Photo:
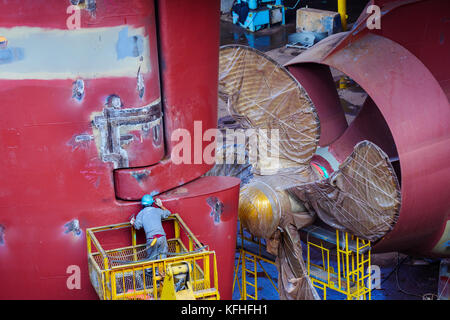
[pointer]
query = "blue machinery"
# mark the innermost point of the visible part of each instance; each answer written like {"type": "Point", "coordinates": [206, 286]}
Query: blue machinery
{"type": "Point", "coordinates": [258, 14]}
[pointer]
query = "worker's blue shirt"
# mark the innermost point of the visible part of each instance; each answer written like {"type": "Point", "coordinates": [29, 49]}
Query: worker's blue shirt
{"type": "Point", "coordinates": [150, 219]}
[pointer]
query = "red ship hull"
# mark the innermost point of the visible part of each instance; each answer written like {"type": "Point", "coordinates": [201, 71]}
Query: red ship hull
{"type": "Point", "coordinates": [72, 154]}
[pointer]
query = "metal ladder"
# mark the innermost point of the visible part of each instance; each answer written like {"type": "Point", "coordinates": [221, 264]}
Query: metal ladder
{"type": "Point", "coordinates": [248, 258]}
{"type": "Point", "coordinates": [352, 262]}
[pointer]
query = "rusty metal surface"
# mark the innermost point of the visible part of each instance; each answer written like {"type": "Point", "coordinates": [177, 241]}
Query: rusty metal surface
{"type": "Point", "coordinates": [408, 88]}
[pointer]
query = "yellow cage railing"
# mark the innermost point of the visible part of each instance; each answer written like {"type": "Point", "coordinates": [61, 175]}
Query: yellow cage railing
{"type": "Point", "coordinates": [350, 256]}
{"type": "Point", "coordinates": [126, 273]}
{"type": "Point", "coordinates": [250, 257]}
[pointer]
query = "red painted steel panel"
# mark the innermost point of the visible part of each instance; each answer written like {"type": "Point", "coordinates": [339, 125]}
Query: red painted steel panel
{"type": "Point", "coordinates": [132, 184]}
{"type": "Point", "coordinates": [53, 13]}
{"type": "Point", "coordinates": [52, 172]}
{"type": "Point", "coordinates": [189, 44]}
{"type": "Point", "coordinates": [426, 34]}
{"type": "Point", "coordinates": [52, 169]}
{"type": "Point", "coordinates": [368, 125]}
{"type": "Point", "coordinates": [318, 82]}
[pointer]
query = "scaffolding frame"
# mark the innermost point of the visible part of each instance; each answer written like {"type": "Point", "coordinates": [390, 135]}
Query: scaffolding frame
{"type": "Point", "coordinates": [353, 260]}
{"type": "Point", "coordinates": [253, 258]}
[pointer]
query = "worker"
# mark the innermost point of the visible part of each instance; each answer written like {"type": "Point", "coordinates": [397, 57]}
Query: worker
{"type": "Point", "coordinates": [3, 42]}
{"type": "Point", "coordinates": [150, 218]}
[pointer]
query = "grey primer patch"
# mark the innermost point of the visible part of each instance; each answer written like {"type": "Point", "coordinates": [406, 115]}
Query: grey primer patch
{"type": "Point", "coordinates": [10, 55]}
{"type": "Point", "coordinates": [110, 123]}
{"type": "Point", "coordinates": [94, 278]}
{"type": "Point", "coordinates": [80, 141]}
{"type": "Point", "coordinates": [73, 226]}
{"type": "Point", "coordinates": [217, 208]}
{"type": "Point", "coordinates": [2, 234]}
{"type": "Point", "coordinates": [85, 53]}
{"type": "Point", "coordinates": [78, 89]}
{"type": "Point", "coordinates": [91, 5]}
{"type": "Point", "coordinates": [140, 176]}
{"type": "Point", "coordinates": [140, 83]}
{"type": "Point", "coordinates": [129, 46]}
{"type": "Point", "coordinates": [156, 136]}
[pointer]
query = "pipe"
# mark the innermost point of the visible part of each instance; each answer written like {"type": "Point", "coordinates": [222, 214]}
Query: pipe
{"type": "Point", "coordinates": [342, 9]}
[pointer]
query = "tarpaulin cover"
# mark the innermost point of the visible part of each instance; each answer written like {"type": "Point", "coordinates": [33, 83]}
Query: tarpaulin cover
{"type": "Point", "coordinates": [276, 216]}
{"type": "Point", "coordinates": [363, 197]}
{"type": "Point", "coordinates": [293, 280]}
{"type": "Point", "coordinates": [261, 94]}
{"type": "Point", "coordinates": [232, 160]}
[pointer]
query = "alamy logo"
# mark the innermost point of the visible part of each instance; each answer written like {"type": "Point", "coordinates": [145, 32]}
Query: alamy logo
{"type": "Point", "coordinates": [74, 279]}
{"type": "Point", "coordinates": [375, 277]}
{"type": "Point", "coordinates": [261, 143]}
{"type": "Point", "coordinates": [73, 22]}
{"type": "Point", "coordinates": [374, 20]}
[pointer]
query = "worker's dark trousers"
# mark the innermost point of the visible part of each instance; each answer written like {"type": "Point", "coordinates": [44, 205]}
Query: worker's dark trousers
{"type": "Point", "coordinates": [159, 248]}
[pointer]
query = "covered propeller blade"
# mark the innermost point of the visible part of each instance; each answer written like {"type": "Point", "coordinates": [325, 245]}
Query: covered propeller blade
{"type": "Point", "coordinates": [362, 197]}
{"type": "Point", "coordinates": [261, 94]}
{"type": "Point", "coordinates": [360, 194]}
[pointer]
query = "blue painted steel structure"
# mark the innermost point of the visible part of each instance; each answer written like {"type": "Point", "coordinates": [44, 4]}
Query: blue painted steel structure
{"type": "Point", "coordinates": [255, 15]}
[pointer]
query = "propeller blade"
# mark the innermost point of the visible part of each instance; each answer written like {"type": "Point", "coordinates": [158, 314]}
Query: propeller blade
{"type": "Point", "coordinates": [262, 94]}
{"type": "Point", "coordinates": [362, 197]}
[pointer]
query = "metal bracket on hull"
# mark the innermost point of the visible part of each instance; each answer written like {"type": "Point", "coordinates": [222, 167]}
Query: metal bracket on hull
{"type": "Point", "coordinates": [114, 135]}
{"type": "Point", "coordinates": [78, 89]}
{"type": "Point", "coordinates": [73, 226]}
{"type": "Point", "coordinates": [2, 234]}
{"type": "Point", "coordinates": [217, 208]}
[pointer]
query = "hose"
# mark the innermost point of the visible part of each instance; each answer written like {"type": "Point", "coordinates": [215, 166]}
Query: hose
{"type": "Point", "coordinates": [291, 8]}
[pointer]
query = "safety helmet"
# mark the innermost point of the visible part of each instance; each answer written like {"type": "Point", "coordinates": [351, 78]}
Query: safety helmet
{"type": "Point", "coordinates": [3, 42]}
{"type": "Point", "coordinates": [147, 200]}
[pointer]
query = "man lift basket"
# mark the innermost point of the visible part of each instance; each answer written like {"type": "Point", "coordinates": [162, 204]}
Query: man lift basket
{"type": "Point", "coordinates": [189, 272]}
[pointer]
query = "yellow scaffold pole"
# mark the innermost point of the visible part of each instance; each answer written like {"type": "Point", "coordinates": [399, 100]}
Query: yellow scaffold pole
{"type": "Point", "coordinates": [342, 9]}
